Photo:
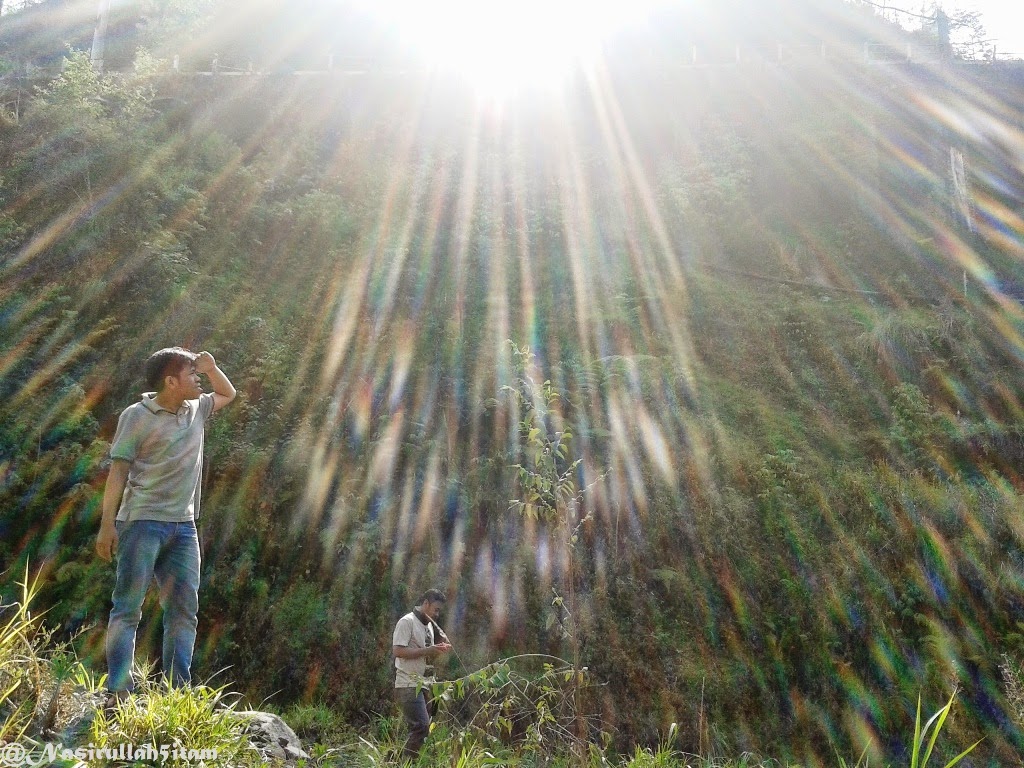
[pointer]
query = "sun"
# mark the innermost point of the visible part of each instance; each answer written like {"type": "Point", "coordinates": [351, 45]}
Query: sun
{"type": "Point", "coordinates": [506, 46]}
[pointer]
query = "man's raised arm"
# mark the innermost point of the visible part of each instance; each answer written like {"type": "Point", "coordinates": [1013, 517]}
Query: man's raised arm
{"type": "Point", "coordinates": [223, 390]}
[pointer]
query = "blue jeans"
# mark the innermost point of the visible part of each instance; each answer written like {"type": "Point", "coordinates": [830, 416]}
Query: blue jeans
{"type": "Point", "coordinates": [170, 552]}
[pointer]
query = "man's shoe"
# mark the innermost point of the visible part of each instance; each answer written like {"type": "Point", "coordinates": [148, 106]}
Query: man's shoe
{"type": "Point", "coordinates": [114, 698]}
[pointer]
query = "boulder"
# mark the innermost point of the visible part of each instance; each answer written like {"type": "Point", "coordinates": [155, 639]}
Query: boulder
{"type": "Point", "coordinates": [272, 736]}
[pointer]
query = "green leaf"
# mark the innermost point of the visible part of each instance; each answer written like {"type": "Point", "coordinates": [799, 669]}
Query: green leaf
{"type": "Point", "coordinates": [963, 754]}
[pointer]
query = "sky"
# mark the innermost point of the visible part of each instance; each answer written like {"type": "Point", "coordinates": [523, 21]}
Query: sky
{"type": "Point", "coordinates": [1003, 20]}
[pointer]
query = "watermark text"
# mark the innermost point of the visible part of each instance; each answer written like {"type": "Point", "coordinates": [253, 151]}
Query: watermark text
{"type": "Point", "coordinates": [44, 754]}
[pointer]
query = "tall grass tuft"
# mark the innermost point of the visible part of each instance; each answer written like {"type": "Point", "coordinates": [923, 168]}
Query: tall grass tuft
{"type": "Point", "coordinates": [919, 759]}
{"type": "Point", "coordinates": [23, 672]}
{"type": "Point", "coordinates": [862, 761]}
{"type": "Point", "coordinates": [317, 723]}
{"type": "Point", "coordinates": [1013, 684]}
{"type": "Point", "coordinates": [195, 718]}
{"type": "Point", "coordinates": [924, 740]}
{"type": "Point", "coordinates": [37, 675]}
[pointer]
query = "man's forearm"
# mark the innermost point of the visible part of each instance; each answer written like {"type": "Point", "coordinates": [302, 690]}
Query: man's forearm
{"type": "Point", "coordinates": [223, 389]}
{"type": "Point", "coordinates": [220, 383]}
{"type": "Point", "coordinates": [404, 652]}
{"type": "Point", "coordinates": [106, 539]}
{"type": "Point", "coordinates": [114, 490]}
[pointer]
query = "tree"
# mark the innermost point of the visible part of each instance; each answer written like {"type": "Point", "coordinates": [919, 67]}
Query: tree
{"type": "Point", "coordinates": [546, 478]}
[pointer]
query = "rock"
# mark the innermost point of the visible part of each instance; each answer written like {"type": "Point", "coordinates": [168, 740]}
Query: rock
{"type": "Point", "coordinates": [272, 736]}
{"type": "Point", "coordinates": [77, 711]}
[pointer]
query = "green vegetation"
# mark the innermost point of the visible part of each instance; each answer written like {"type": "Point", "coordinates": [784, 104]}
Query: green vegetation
{"type": "Point", "coordinates": [921, 753]}
{"type": "Point", "coordinates": [191, 720]}
{"type": "Point", "coordinates": [760, 473]}
{"type": "Point", "coordinates": [495, 716]}
{"type": "Point", "coordinates": [20, 667]}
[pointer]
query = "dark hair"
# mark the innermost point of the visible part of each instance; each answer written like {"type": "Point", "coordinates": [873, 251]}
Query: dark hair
{"type": "Point", "coordinates": [166, 362]}
{"type": "Point", "coordinates": [433, 596]}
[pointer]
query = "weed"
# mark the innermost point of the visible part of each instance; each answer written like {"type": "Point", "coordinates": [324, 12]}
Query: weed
{"type": "Point", "coordinates": [922, 752]}
{"type": "Point", "coordinates": [22, 669]}
{"type": "Point", "coordinates": [1013, 682]}
{"type": "Point", "coordinates": [187, 718]}
{"type": "Point", "coordinates": [316, 723]}
{"type": "Point", "coordinates": [935, 723]}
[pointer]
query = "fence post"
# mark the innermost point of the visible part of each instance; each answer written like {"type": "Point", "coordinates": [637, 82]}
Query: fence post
{"type": "Point", "coordinates": [99, 35]}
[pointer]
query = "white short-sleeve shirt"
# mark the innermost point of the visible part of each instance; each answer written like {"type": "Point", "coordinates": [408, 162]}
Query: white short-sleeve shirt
{"type": "Point", "coordinates": [410, 632]}
{"type": "Point", "coordinates": [165, 455]}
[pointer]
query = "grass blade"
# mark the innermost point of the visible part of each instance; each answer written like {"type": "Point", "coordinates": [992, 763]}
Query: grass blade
{"type": "Point", "coordinates": [941, 715]}
{"type": "Point", "coordinates": [963, 754]}
{"type": "Point", "coordinates": [915, 754]}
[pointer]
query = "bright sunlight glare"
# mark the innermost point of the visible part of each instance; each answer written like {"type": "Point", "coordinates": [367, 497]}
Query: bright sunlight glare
{"type": "Point", "coordinates": [502, 46]}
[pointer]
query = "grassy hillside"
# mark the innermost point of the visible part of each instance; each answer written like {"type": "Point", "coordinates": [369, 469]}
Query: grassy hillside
{"type": "Point", "coordinates": [789, 372]}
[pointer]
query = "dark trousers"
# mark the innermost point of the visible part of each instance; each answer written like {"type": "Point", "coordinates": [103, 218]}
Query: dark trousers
{"type": "Point", "coordinates": [414, 708]}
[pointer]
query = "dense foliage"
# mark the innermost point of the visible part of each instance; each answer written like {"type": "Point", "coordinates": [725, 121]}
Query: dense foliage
{"type": "Point", "coordinates": [789, 372]}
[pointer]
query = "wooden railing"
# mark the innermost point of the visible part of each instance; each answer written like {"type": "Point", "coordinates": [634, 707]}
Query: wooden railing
{"type": "Point", "coordinates": [784, 55]}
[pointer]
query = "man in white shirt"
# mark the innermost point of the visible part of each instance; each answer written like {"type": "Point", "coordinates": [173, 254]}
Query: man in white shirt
{"type": "Point", "coordinates": [416, 639]}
